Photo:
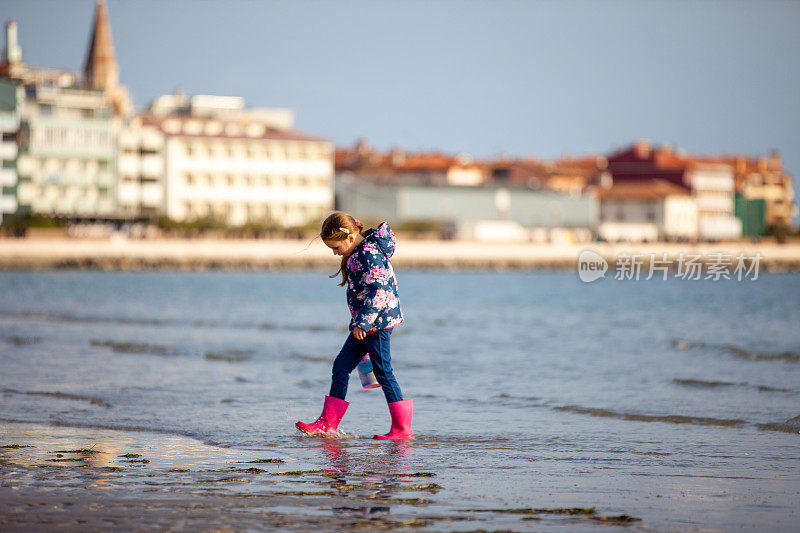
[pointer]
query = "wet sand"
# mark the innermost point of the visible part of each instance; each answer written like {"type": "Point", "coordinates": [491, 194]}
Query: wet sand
{"type": "Point", "coordinates": [244, 254]}
{"type": "Point", "coordinates": [92, 479]}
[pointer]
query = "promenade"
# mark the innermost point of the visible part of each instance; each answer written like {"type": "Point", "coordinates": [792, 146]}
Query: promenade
{"type": "Point", "coordinates": [117, 253]}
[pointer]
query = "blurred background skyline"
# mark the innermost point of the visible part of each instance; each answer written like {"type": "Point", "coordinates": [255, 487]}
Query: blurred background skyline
{"type": "Point", "coordinates": [518, 78]}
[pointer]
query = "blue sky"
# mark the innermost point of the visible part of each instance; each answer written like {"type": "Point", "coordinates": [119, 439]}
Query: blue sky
{"type": "Point", "coordinates": [483, 77]}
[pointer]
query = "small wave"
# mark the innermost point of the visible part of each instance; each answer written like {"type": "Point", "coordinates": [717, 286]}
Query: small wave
{"type": "Point", "coordinates": [789, 357]}
{"type": "Point", "coordinates": [711, 384]}
{"type": "Point", "coordinates": [113, 427]}
{"type": "Point", "coordinates": [465, 439]}
{"type": "Point", "coordinates": [765, 388]}
{"type": "Point", "coordinates": [505, 396]}
{"type": "Point", "coordinates": [705, 383]}
{"type": "Point", "coordinates": [638, 417]}
{"type": "Point", "coordinates": [21, 341]}
{"type": "Point", "coordinates": [230, 356]}
{"type": "Point", "coordinates": [94, 400]}
{"type": "Point", "coordinates": [311, 358]}
{"type": "Point", "coordinates": [790, 426]}
{"type": "Point", "coordinates": [683, 345]}
{"type": "Point", "coordinates": [117, 427]}
{"type": "Point", "coordinates": [137, 348]}
{"type": "Point", "coordinates": [583, 513]}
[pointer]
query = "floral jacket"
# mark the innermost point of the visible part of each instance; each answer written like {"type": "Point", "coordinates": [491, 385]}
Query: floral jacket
{"type": "Point", "coordinates": [371, 283]}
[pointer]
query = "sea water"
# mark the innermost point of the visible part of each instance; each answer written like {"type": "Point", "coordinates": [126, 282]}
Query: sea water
{"type": "Point", "coordinates": [668, 400]}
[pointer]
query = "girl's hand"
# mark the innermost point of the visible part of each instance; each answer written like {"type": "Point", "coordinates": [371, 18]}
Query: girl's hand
{"type": "Point", "coordinates": [359, 333]}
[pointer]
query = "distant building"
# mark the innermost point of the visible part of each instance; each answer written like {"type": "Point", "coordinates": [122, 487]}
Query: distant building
{"type": "Point", "coordinates": [521, 213]}
{"type": "Point", "coordinates": [712, 184]}
{"type": "Point", "coordinates": [714, 190]}
{"type": "Point", "coordinates": [751, 211]}
{"type": "Point", "coordinates": [67, 153]}
{"type": "Point", "coordinates": [70, 148]}
{"type": "Point", "coordinates": [398, 165]}
{"type": "Point", "coordinates": [101, 71]}
{"type": "Point", "coordinates": [141, 169]}
{"type": "Point", "coordinates": [763, 178]}
{"type": "Point", "coordinates": [567, 175]}
{"type": "Point", "coordinates": [11, 97]}
{"type": "Point", "coordinates": [209, 157]}
{"type": "Point", "coordinates": [637, 211]}
{"type": "Point", "coordinates": [66, 139]}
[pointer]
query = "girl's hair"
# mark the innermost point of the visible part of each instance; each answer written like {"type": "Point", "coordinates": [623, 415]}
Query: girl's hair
{"type": "Point", "coordinates": [337, 227]}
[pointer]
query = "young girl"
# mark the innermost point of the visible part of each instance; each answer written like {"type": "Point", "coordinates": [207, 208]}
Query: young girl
{"type": "Point", "coordinates": [375, 310]}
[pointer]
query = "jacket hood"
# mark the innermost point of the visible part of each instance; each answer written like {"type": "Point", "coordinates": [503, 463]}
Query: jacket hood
{"type": "Point", "coordinates": [383, 237]}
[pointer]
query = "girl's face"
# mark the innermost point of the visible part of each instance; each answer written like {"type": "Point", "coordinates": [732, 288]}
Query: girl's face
{"type": "Point", "coordinates": [343, 247]}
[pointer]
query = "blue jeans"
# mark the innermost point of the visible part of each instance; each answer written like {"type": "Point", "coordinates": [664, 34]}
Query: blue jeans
{"type": "Point", "coordinates": [377, 345]}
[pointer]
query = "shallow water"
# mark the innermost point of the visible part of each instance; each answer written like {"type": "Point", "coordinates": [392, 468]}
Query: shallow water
{"type": "Point", "coordinates": [669, 401]}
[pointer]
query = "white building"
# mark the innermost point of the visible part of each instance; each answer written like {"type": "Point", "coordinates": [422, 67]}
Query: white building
{"type": "Point", "coordinates": [65, 153]}
{"type": "Point", "coordinates": [141, 168]}
{"type": "Point", "coordinates": [213, 159]}
{"type": "Point", "coordinates": [638, 211]}
{"type": "Point", "coordinates": [11, 95]}
{"type": "Point", "coordinates": [714, 189]}
{"type": "Point", "coordinates": [66, 162]}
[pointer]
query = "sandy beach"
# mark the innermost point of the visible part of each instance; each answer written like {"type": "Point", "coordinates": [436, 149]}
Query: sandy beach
{"type": "Point", "coordinates": [247, 254]}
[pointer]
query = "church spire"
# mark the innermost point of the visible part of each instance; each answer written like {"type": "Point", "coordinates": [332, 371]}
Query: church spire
{"type": "Point", "coordinates": [101, 70]}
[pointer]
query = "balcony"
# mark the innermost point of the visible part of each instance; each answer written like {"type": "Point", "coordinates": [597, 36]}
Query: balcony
{"type": "Point", "coordinates": [129, 164]}
{"type": "Point", "coordinates": [152, 166]}
{"type": "Point", "coordinates": [8, 151]}
{"type": "Point", "coordinates": [8, 177]}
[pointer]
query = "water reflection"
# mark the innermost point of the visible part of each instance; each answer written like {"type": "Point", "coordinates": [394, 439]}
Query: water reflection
{"type": "Point", "coordinates": [392, 459]}
{"type": "Point", "coordinates": [363, 471]}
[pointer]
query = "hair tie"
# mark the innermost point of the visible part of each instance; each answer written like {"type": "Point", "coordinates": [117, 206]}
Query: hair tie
{"type": "Point", "coordinates": [358, 222]}
{"type": "Point", "coordinates": [344, 230]}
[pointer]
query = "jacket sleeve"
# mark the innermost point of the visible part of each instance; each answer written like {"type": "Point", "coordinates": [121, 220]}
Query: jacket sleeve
{"type": "Point", "coordinates": [375, 277]}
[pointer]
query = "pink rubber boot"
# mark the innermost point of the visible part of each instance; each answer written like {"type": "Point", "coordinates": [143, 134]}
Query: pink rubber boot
{"type": "Point", "coordinates": [332, 412]}
{"type": "Point", "coordinates": [401, 421]}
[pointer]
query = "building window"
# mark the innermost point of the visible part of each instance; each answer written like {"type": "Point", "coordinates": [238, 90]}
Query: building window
{"type": "Point", "coordinates": [651, 211]}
